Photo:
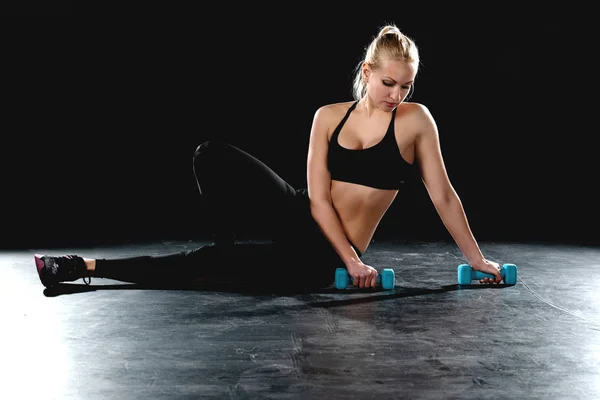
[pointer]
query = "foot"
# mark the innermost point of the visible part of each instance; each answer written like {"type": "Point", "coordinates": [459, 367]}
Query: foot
{"type": "Point", "coordinates": [53, 270]}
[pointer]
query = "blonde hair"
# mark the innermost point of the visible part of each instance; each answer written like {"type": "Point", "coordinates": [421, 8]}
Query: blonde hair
{"type": "Point", "coordinates": [390, 43]}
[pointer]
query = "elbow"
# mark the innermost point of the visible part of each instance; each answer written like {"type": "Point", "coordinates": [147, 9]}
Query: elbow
{"type": "Point", "coordinates": [319, 204]}
{"type": "Point", "coordinates": [319, 198]}
{"type": "Point", "coordinates": [444, 199]}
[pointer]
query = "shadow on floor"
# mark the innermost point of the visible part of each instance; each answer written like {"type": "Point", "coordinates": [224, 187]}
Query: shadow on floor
{"type": "Point", "coordinates": [377, 294]}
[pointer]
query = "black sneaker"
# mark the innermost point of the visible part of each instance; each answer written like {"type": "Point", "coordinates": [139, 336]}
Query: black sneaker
{"type": "Point", "coordinates": [53, 270]}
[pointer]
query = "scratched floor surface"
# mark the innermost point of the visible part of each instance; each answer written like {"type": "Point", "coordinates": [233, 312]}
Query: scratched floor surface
{"type": "Point", "coordinates": [428, 338]}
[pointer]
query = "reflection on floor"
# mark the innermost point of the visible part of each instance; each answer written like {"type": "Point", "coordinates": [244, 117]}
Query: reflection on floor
{"type": "Point", "coordinates": [427, 338]}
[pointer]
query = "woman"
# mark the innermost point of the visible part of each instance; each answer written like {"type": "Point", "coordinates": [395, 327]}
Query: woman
{"type": "Point", "coordinates": [360, 153]}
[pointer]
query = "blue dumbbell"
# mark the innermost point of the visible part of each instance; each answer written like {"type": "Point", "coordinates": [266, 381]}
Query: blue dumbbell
{"type": "Point", "coordinates": [386, 279]}
{"type": "Point", "coordinates": [466, 274]}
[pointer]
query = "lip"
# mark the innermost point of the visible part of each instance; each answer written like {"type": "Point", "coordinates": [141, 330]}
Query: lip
{"type": "Point", "coordinates": [391, 104]}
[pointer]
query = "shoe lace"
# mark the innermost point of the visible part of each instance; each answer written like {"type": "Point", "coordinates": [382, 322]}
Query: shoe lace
{"type": "Point", "coordinates": [89, 278]}
{"type": "Point", "coordinates": [86, 272]}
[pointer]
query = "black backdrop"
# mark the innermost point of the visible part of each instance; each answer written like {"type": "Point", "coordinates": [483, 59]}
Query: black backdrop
{"type": "Point", "coordinates": [99, 128]}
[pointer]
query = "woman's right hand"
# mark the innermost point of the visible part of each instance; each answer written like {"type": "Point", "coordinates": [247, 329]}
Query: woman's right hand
{"type": "Point", "coordinates": [363, 276]}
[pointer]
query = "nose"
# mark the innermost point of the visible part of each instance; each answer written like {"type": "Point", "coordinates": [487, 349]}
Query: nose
{"type": "Point", "coordinates": [395, 95]}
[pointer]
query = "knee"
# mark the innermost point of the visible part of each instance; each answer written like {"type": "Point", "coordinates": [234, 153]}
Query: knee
{"type": "Point", "coordinates": [208, 149]}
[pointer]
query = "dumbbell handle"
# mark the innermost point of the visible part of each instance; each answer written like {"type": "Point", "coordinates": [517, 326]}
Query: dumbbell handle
{"type": "Point", "coordinates": [351, 279]}
{"type": "Point", "coordinates": [476, 275]}
{"type": "Point", "coordinates": [466, 274]}
{"type": "Point", "coordinates": [386, 278]}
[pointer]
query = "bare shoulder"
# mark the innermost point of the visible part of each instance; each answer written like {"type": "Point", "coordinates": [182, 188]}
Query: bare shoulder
{"type": "Point", "coordinates": [414, 110]}
{"type": "Point", "coordinates": [418, 116]}
{"type": "Point", "coordinates": [333, 110]}
{"type": "Point", "coordinates": [329, 115]}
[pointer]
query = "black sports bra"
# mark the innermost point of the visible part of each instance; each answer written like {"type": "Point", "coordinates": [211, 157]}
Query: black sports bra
{"type": "Point", "coordinates": [380, 166]}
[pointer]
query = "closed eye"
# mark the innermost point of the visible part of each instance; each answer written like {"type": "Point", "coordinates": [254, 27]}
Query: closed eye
{"type": "Point", "coordinates": [392, 84]}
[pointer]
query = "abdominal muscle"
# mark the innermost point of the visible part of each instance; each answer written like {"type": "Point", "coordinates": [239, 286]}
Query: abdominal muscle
{"type": "Point", "coordinates": [359, 209]}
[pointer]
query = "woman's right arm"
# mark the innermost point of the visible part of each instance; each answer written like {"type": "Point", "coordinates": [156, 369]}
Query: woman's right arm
{"type": "Point", "coordinates": [321, 206]}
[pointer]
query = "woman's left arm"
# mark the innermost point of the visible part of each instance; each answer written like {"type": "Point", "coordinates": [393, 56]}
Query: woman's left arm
{"type": "Point", "coordinates": [444, 197]}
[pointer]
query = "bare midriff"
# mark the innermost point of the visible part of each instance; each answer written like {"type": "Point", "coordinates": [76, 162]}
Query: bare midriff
{"type": "Point", "coordinates": [359, 209]}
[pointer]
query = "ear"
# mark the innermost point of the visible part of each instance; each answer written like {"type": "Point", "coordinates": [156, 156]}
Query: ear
{"type": "Point", "coordinates": [366, 72]}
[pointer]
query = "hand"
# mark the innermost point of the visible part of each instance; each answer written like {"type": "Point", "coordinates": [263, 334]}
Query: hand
{"type": "Point", "coordinates": [364, 276]}
{"type": "Point", "coordinates": [488, 267]}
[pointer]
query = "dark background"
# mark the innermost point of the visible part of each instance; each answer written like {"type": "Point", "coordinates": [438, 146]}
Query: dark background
{"type": "Point", "coordinates": [36, 8]}
{"type": "Point", "coordinates": [100, 125]}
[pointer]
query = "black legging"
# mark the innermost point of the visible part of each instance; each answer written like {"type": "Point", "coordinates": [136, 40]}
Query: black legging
{"type": "Point", "coordinates": [239, 192]}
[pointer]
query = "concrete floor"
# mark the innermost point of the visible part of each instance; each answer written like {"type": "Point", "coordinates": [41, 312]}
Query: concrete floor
{"type": "Point", "coordinates": [428, 338]}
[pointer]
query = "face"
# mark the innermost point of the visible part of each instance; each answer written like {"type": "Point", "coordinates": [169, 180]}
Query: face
{"type": "Point", "coordinates": [388, 85]}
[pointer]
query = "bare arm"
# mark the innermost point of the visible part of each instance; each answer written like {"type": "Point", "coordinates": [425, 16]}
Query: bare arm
{"type": "Point", "coordinates": [442, 194]}
{"type": "Point", "coordinates": [319, 183]}
{"type": "Point", "coordinates": [321, 206]}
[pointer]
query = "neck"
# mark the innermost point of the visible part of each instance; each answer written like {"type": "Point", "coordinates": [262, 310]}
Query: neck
{"type": "Point", "coordinates": [369, 108]}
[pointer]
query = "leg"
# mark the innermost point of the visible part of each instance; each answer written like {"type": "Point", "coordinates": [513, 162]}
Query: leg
{"type": "Point", "coordinates": [239, 192]}
{"type": "Point", "coordinates": [307, 262]}
{"type": "Point", "coordinates": [205, 262]}
{"type": "Point", "coordinates": [304, 259]}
